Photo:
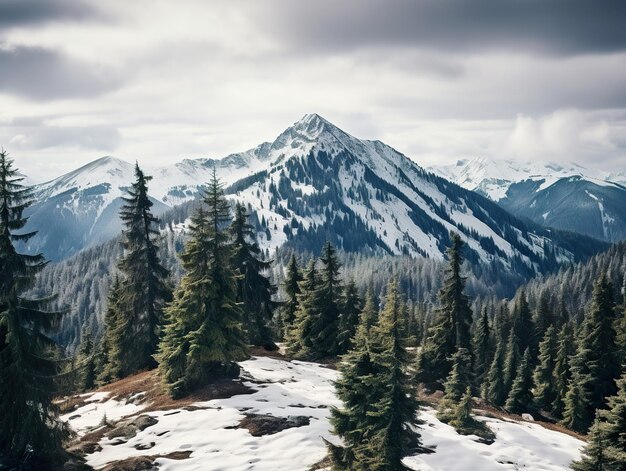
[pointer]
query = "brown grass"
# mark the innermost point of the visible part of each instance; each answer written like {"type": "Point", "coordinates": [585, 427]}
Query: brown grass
{"type": "Point", "coordinates": [490, 411]}
{"type": "Point", "coordinates": [137, 463]}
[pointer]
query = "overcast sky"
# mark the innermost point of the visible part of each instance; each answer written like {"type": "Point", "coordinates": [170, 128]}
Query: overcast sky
{"type": "Point", "coordinates": [439, 80]}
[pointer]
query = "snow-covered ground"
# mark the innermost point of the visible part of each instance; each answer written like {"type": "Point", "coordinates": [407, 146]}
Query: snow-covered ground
{"type": "Point", "coordinates": [209, 430]}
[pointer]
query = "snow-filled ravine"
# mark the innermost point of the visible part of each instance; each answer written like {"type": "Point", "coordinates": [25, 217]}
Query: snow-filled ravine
{"type": "Point", "coordinates": [209, 437]}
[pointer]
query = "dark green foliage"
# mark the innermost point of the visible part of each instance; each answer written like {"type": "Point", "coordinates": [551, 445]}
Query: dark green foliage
{"type": "Point", "coordinates": [110, 356]}
{"type": "Point", "coordinates": [291, 287]}
{"type": "Point", "coordinates": [458, 381]}
{"type": "Point", "coordinates": [354, 388]}
{"type": "Point", "coordinates": [606, 445]}
{"type": "Point", "coordinates": [562, 375]}
{"type": "Point", "coordinates": [523, 327]}
{"type": "Point", "coordinates": [86, 358]}
{"type": "Point", "coordinates": [298, 337]}
{"type": "Point", "coordinates": [452, 330]}
{"type": "Point", "coordinates": [204, 335]}
{"type": "Point", "coordinates": [482, 347]}
{"type": "Point", "coordinates": [595, 367]}
{"type": "Point", "coordinates": [511, 361]}
{"type": "Point", "coordinates": [369, 314]}
{"type": "Point", "coordinates": [383, 434]}
{"type": "Point", "coordinates": [520, 398]}
{"type": "Point", "coordinates": [315, 331]}
{"type": "Point", "coordinates": [144, 291]}
{"type": "Point", "coordinates": [494, 389]}
{"type": "Point", "coordinates": [463, 422]}
{"type": "Point", "coordinates": [28, 370]}
{"type": "Point", "coordinates": [254, 288]}
{"type": "Point", "coordinates": [349, 317]}
{"type": "Point", "coordinates": [544, 381]}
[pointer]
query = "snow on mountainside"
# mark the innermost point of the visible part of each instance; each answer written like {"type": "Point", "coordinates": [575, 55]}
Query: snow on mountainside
{"type": "Point", "coordinates": [364, 195]}
{"type": "Point", "coordinates": [275, 420]}
{"type": "Point", "coordinates": [313, 182]}
{"type": "Point", "coordinates": [493, 178]}
{"type": "Point", "coordinates": [566, 197]}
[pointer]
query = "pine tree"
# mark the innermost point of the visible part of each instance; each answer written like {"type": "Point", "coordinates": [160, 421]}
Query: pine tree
{"type": "Point", "coordinates": [520, 397]}
{"type": "Point", "coordinates": [457, 383]}
{"type": "Point", "coordinates": [544, 318]}
{"type": "Point", "coordinates": [326, 303]}
{"type": "Point", "coordinates": [391, 434]}
{"type": "Point", "coordinates": [452, 330]}
{"type": "Point", "coordinates": [511, 361]}
{"type": "Point", "coordinates": [358, 373]}
{"type": "Point", "coordinates": [576, 414]}
{"type": "Point", "coordinates": [523, 327]}
{"type": "Point", "coordinates": [495, 390]}
{"type": "Point", "coordinates": [204, 335]}
{"type": "Point", "coordinates": [544, 392]}
{"type": "Point", "coordinates": [298, 339]}
{"type": "Point", "coordinates": [349, 317]}
{"type": "Point", "coordinates": [369, 314]}
{"type": "Point", "coordinates": [565, 349]}
{"type": "Point", "coordinates": [482, 347]}
{"type": "Point", "coordinates": [254, 288]}
{"type": "Point", "coordinates": [144, 290]}
{"type": "Point", "coordinates": [86, 352]}
{"type": "Point", "coordinates": [292, 290]}
{"type": "Point", "coordinates": [110, 356]}
{"type": "Point", "coordinates": [595, 367]}
{"type": "Point", "coordinates": [28, 370]}
{"type": "Point", "coordinates": [606, 445]}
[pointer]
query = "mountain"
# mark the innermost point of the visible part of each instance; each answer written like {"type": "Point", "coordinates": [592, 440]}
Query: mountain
{"type": "Point", "coordinates": [366, 196]}
{"type": "Point", "coordinates": [566, 197]}
{"type": "Point", "coordinates": [313, 182]}
{"type": "Point", "coordinates": [80, 209]}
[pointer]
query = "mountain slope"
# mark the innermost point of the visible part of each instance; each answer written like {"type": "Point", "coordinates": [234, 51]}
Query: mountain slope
{"type": "Point", "coordinates": [594, 208]}
{"type": "Point", "coordinates": [366, 196]}
{"type": "Point", "coordinates": [80, 209]}
{"type": "Point", "coordinates": [566, 197]}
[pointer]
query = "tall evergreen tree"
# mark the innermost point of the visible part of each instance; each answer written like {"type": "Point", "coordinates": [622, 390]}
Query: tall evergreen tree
{"type": "Point", "coordinates": [494, 389]}
{"type": "Point", "coordinates": [520, 397]}
{"type": "Point", "coordinates": [452, 330]}
{"type": "Point", "coordinates": [204, 335]}
{"type": "Point", "coordinates": [321, 339]}
{"type": "Point", "coordinates": [86, 357]}
{"type": "Point", "coordinates": [369, 314]}
{"type": "Point", "coordinates": [565, 349]}
{"type": "Point", "coordinates": [456, 384]}
{"type": "Point", "coordinates": [144, 291]}
{"type": "Point", "coordinates": [482, 347]}
{"type": "Point", "coordinates": [595, 367]}
{"type": "Point", "coordinates": [511, 361]}
{"type": "Point", "coordinates": [28, 370]}
{"type": "Point", "coordinates": [254, 288]}
{"type": "Point", "coordinates": [349, 317]}
{"type": "Point", "coordinates": [544, 392]}
{"type": "Point", "coordinates": [523, 327]}
{"type": "Point", "coordinates": [606, 446]}
{"type": "Point", "coordinates": [298, 337]}
{"type": "Point", "coordinates": [292, 290]}
{"type": "Point", "coordinates": [391, 434]}
{"type": "Point", "coordinates": [355, 390]}
{"type": "Point", "coordinates": [110, 356]}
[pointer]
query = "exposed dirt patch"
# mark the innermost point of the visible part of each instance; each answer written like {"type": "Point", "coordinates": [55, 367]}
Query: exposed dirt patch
{"type": "Point", "coordinates": [138, 463]}
{"type": "Point", "coordinates": [260, 425]}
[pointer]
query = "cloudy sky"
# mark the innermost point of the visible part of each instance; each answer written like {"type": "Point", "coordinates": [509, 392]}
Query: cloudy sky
{"type": "Point", "coordinates": [439, 80]}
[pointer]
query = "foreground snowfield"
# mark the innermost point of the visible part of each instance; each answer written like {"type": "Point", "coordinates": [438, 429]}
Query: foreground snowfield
{"type": "Point", "coordinates": [286, 389]}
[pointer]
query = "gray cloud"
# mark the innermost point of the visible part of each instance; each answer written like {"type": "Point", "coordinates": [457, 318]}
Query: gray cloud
{"type": "Point", "coordinates": [25, 12]}
{"type": "Point", "coordinates": [561, 27]}
{"type": "Point", "coordinates": [39, 73]}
